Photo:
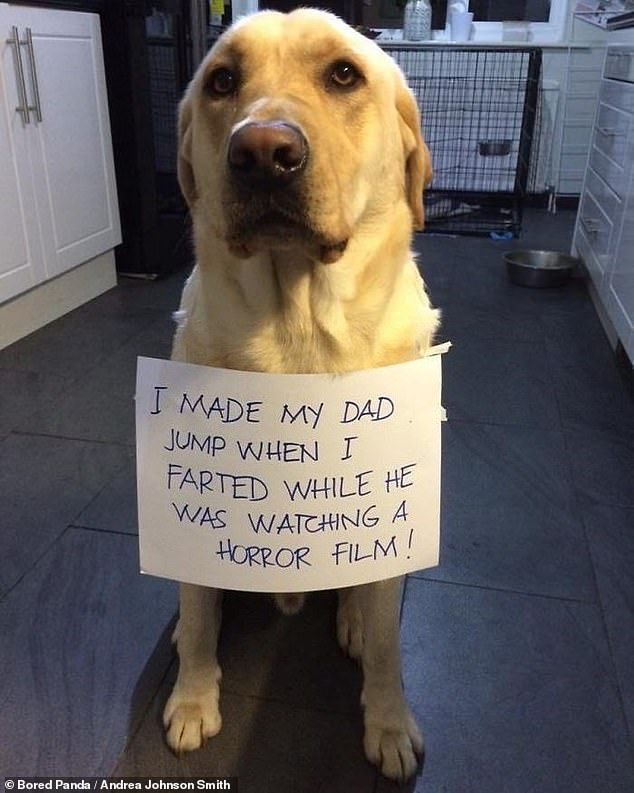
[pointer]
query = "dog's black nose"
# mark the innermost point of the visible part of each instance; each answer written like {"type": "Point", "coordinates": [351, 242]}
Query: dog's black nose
{"type": "Point", "coordinates": [268, 151]}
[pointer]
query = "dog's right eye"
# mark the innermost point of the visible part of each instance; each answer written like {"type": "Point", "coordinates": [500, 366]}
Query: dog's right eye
{"type": "Point", "coordinates": [220, 83]}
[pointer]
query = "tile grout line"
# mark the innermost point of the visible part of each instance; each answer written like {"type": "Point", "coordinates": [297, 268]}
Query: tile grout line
{"type": "Point", "coordinates": [277, 700]}
{"type": "Point", "coordinates": [48, 548]}
{"type": "Point", "coordinates": [72, 523]}
{"type": "Point", "coordinates": [97, 530]}
{"type": "Point", "coordinates": [106, 484]}
{"type": "Point", "coordinates": [71, 438]}
{"type": "Point", "coordinates": [578, 512]}
{"type": "Point", "coordinates": [478, 422]}
{"type": "Point", "coordinates": [558, 598]}
{"type": "Point", "coordinates": [606, 632]}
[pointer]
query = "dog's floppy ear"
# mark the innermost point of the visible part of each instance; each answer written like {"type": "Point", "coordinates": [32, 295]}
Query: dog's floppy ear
{"type": "Point", "coordinates": [184, 166]}
{"type": "Point", "coordinates": [418, 170]}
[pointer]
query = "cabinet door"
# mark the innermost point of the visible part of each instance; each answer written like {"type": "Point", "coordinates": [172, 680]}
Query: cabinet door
{"type": "Point", "coordinates": [620, 297]}
{"type": "Point", "coordinates": [21, 260]}
{"type": "Point", "coordinates": [71, 154]}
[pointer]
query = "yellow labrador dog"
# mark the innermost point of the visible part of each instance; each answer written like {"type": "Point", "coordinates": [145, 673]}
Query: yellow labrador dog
{"type": "Point", "coordinates": [302, 161]}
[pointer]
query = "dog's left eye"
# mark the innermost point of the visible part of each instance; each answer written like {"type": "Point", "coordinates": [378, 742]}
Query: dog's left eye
{"type": "Point", "coordinates": [344, 75]}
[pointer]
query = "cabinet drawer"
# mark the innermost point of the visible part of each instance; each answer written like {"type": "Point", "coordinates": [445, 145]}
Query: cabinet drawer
{"type": "Point", "coordinates": [584, 251]}
{"type": "Point", "coordinates": [574, 161]}
{"type": "Point", "coordinates": [610, 134]}
{"type": "Point", "coordinates": [610, 171]}
{"type": "Point", "coordinates": [583, 82]}
{"type": "Point", "coordinates": [579, 108]}
{"type": "Point", "coordinates": [618, 94]}
{"type": "Point", "coordinates": [578, 133]}
{"type": "Point", "coordinates": [607, 200]}
{"type": "Point", "coordinates": [570, 184]}
{"type": "Point", "coordinates": [590, 58]}
{"type": "Point", "coordinates": [596, 227]}
{"type": "Point", "coordinates": [621, 278]}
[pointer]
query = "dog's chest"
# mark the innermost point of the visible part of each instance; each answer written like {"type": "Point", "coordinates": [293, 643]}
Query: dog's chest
{"type": "Point", "coordinates": [307, 342]}
{"type": "Point", "coordinates": [302, 321]}
{"type": "Point", "coordinates": [288, 321]}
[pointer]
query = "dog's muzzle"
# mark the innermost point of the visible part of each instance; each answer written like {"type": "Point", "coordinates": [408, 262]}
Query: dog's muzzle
{"type": "Point", "coordinates": [266, 161]}
{"type": "Point", "coordinates": [268, 154]}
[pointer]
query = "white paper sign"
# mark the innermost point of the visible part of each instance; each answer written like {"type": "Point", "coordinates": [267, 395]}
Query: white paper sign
{"type": "Point", "coordinates": [283, 482]}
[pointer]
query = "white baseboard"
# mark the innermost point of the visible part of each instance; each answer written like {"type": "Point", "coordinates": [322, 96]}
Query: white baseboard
{"type": "Point", "coordinates": [52, 299]}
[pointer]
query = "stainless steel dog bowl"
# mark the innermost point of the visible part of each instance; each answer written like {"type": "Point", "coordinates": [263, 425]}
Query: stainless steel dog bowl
{"type": "Point", "coordinates": [539, 268]}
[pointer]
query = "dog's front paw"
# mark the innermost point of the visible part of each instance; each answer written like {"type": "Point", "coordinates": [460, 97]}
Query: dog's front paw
{"type": "Point", "coordinates": [394, 745]}
{"type": "Point", "coordinates": [190, 719]}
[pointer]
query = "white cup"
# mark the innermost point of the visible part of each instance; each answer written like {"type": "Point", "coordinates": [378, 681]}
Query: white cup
{"type": "Point", "coordinates": [460, 24]}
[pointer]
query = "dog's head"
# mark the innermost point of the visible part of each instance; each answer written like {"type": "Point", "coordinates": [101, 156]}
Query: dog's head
{"type": "Point", "coordinates": [294, 131]}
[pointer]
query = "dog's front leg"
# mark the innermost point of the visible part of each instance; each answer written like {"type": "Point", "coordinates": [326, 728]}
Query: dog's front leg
{"type": "Point", "coordinates": [191, 714]}
{"type": "Point", "coordinates": [392, 739]}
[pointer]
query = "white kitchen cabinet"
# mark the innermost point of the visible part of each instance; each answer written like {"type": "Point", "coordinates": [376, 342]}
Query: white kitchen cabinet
{"type": "Point", "coordinates": [604, 233]}
{"type": "Point", "coordinates": [620, 279]}
{"type": "Point", "coordinates": [59, 205]}
{"type": "Point", "coordinates": [21, 257]}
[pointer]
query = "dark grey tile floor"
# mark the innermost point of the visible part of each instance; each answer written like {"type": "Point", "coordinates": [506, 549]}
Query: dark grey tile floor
{"type": "Point", "coordinates": [517, 649]}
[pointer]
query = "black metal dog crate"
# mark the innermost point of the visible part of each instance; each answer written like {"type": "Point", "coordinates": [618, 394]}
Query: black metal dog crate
{"type": "Point", "coordinates": [479, 109]}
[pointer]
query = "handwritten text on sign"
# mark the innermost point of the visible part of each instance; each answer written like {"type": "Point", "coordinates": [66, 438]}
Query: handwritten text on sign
{"type": "Point", "coordinates": [281, 483]}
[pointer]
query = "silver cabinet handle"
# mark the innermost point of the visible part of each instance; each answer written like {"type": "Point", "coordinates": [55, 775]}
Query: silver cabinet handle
{"type": "Point", "coordinates": [23, 107]}
{"type": "Point", "coordinates": [591, 225]}
{"type": "Point", "coordinates": [609, 132]}
{"type": "Point", "coordinates": [36, 88]}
